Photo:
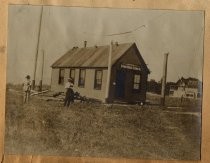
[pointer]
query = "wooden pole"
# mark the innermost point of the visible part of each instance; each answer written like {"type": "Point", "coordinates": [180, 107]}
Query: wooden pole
{"type": "Point", "coordinates": [37, 49]}
{"type": "Point", "coordinates": [109, 72]}
{"type": "Point", "coordinates": [165, 64]}
{"type": "Point", "coordinates": [42, 72]}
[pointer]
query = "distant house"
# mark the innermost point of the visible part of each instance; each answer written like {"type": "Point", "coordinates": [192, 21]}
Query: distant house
{"type": "Point", "coordinates": [188, 88]}
{"type": "Point", "coordinates": [88, 66]}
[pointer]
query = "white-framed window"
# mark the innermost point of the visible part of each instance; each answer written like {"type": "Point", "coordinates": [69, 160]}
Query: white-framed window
{"type": "Point", "coordinates": [81, 82]}
{"type": "Point", "coordinates": [136, 82]}
{"type": "Point", "coordinates": [72, 74]}
{"type": "Point", "coordinates": [98, 79]}
{"type": "Point", "coordinates": [61, 76]}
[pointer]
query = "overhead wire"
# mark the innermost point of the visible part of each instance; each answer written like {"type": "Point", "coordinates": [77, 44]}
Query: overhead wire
{"type": "Point", "coordinates": [131, 31]}
{"type": "Point", "coordinates": [137, 28]}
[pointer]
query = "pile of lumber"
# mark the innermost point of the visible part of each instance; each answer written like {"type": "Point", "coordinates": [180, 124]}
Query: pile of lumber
{"type": "Point", "coordinates": [38, 93]}
{"type": "Point", "coordinates": [60, 96]}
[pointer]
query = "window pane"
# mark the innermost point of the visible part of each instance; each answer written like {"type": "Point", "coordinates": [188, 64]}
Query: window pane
{"type": "Point", "coordinates": [98, 79]}
{"type": "Point", "coordinates": [72, 73]}
{"type": "Point", "coordinates": [136, 78]}
{"type": "Point", "coordinates": [61, 76]}
{"type": "Point", "coordinates": [98, 74]}
{"type": "Point", "coordinates": [81, 78]}
{"type": "Point", "coordinates": [82, 81]}
{"type": "Point", "coordinates": [136, 86]}
{"type": "Point", "coordinates": [82, 73]}
{"type": "Point", "coordinates": [136, 82]}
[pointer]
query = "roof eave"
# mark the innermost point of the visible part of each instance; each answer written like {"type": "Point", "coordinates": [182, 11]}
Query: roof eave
{"type": "Point", "coordinates": [79, 67]}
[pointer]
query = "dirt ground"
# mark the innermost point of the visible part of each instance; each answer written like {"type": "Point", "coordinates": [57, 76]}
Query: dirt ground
{"type": "Point", "coordinates": [98, 130]}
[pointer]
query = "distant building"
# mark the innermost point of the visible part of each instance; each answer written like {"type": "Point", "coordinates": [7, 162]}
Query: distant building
{"type": "Point", "coordinates": [188, 88]}
{"type": "Point", "coordinates": [88, 66]}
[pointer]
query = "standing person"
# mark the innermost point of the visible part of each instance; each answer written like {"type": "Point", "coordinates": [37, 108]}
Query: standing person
{"type": "Point", "coordinates": [69, 92]}
{"type": "Point", "coordinates": [26, 89]}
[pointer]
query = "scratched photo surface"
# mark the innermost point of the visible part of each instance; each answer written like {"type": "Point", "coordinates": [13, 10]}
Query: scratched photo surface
{"type": "Point", "coordinates": [102, 82]}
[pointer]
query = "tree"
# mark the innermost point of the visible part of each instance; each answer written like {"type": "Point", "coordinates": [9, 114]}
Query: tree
{"type": "Point", "coordinates": [154, 87]}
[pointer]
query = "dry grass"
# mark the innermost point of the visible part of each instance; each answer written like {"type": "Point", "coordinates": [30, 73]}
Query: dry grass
{"type": "Point", "coordinates": [191, 104]}
{"type": "Point", "coordinates": [48, 128]}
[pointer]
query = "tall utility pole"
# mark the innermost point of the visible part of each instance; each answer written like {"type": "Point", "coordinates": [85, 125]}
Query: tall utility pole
{"type": "Point", "coordinates": [109, 71]}
{"type": "Point", "coordinates": [165, 64]}
{"type": "Point", "coordinates": [37, 48]}
{"type": "Point", "coordinates": [42, 72]}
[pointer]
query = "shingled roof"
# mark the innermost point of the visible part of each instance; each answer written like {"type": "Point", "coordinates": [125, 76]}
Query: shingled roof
{"type": "Point", "coordinates": [96, 56]}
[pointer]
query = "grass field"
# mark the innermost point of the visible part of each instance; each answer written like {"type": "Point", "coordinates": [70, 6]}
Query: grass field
{"type": "Point", "coordinates": [47, 128]}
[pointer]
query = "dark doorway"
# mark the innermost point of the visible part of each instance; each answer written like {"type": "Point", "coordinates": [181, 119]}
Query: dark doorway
{"type": "Point", "coordinates": [120, 84]}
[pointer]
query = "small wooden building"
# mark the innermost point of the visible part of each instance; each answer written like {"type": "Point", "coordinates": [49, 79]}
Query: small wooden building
{"type": "Point", "coordinates": [88, 66]}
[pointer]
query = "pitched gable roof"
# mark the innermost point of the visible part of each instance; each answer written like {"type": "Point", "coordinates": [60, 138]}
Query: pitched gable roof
{"type": "Point", "coordinates": [93, 56]}
{"type": "Point", "coordinates": [189, 82]}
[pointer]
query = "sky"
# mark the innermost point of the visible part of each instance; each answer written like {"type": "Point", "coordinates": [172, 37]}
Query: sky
{"type": "Point", "coordinates": [178, 32]}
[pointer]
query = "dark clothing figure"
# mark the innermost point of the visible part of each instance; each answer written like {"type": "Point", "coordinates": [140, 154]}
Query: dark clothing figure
{"type": "Point", "coordinates": [26, 89]}
{"type": "Point", "coordinates": [69, 97]}
{"type": "Point", "coordinates": [69, 93]}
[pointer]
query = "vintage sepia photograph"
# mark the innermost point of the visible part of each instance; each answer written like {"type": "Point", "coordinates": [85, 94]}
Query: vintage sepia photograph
{"type": "Point", "coordinates": [104, 82]}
